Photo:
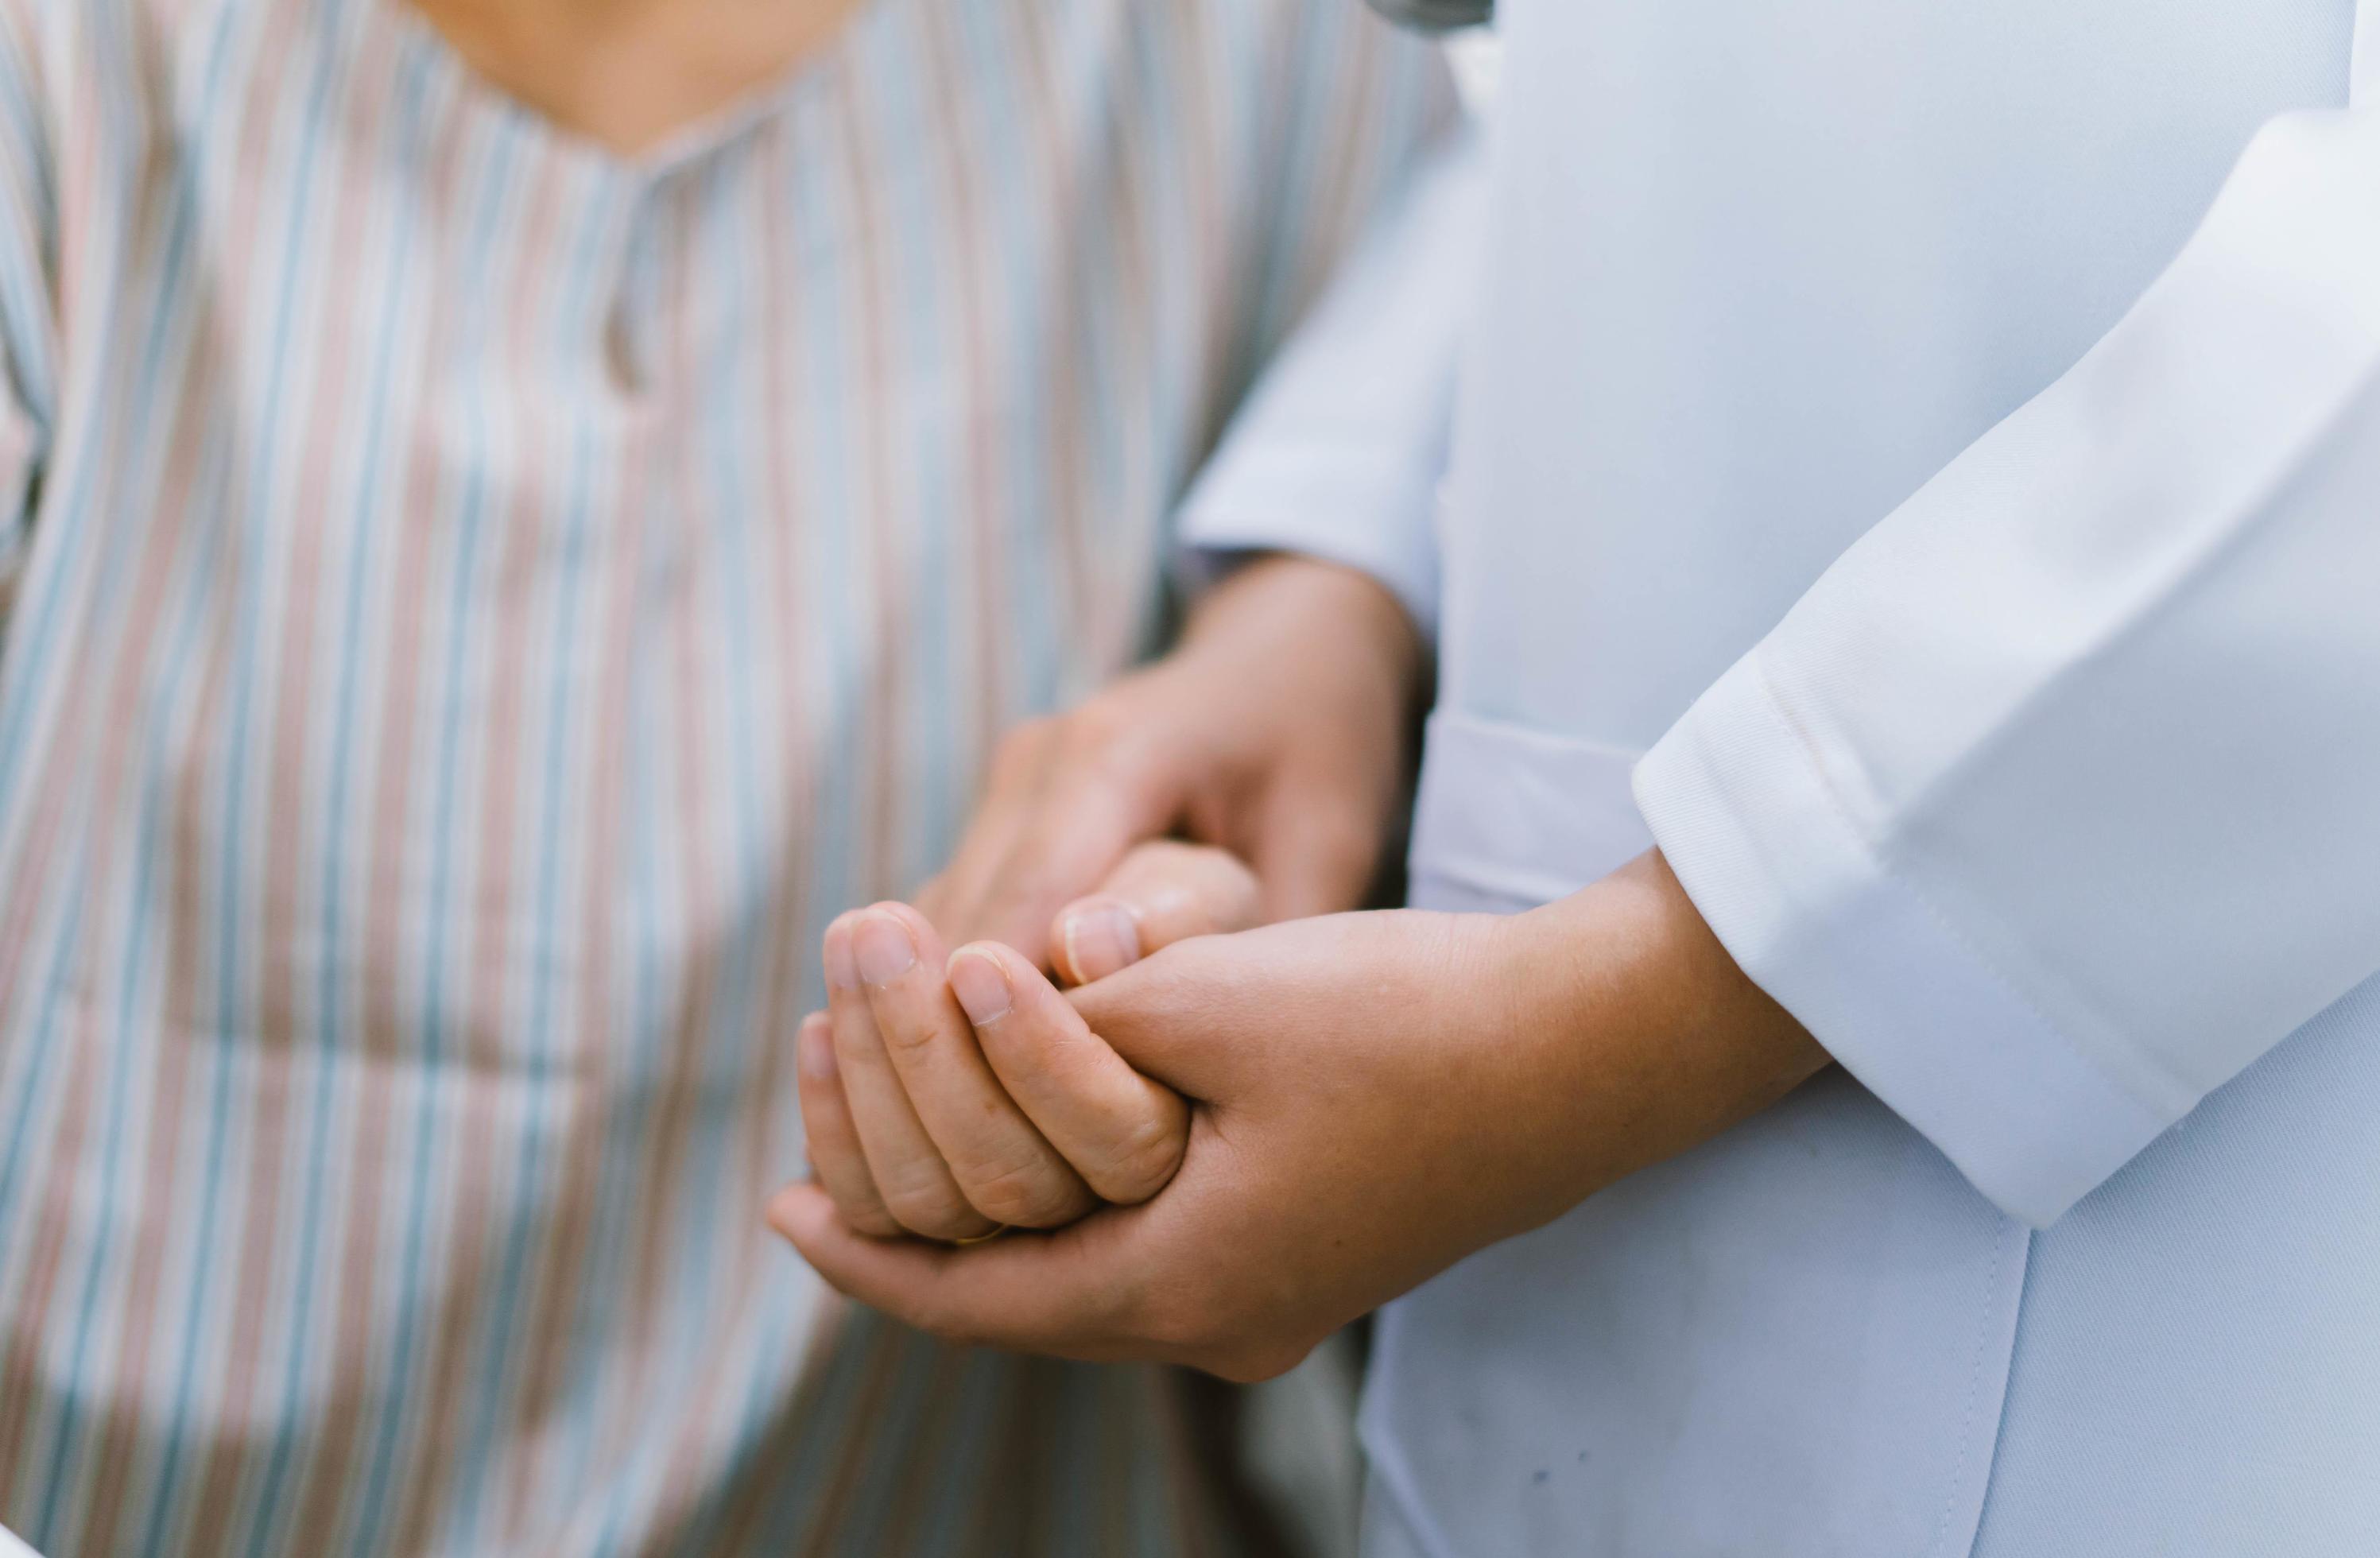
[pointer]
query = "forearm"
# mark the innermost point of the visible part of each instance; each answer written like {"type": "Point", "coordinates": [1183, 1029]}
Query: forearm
{"type": "Point", "coordinates": [1290, 604]}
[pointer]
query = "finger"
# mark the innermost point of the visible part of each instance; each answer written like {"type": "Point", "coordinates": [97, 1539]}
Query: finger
{"type": "Point", "coordinates": [828, 1136]}
{"type": "Point", "coordinates": [1005, 1168]}
{"type": "Point", "coordinates": [916, 1185]}
{"type": "Point", "coordinates": [1123, 1134]}
{"type": "Point", "coordinates": [1163, 892]}
{"type": "Point", "coordinates": [1049, 1293]}
{"type": "Point", "coordinates": [1087, 819]}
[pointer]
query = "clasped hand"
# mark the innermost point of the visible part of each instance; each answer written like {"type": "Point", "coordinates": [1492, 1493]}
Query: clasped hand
{"type": "Point", "coordinates": [949, 1095]}
{"type": "Point", "coordinates": [1225, 1143]}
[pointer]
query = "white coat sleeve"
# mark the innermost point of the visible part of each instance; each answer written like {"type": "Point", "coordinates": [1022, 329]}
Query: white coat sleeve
{"type": "Point", "coordinates": [1339, 451]}
{"type": "Point", "coordinates": [2057, 801]}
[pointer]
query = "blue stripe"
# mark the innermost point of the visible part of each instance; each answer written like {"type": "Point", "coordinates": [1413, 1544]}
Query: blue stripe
{"type": "Point", "coordinates": [172, 257]}
{"type": "Point", "coordinates": [501, 1345]}
{"type": "Point", "coordinates": [255, 532]}
{"type": "Point", "coordinates": [915, 257]}
{"type": "Point", "coordinates": [738, 1015]}
{"type": "Point", "coordinates": [1031, 520]}
{"type": "Point", "coordinates": [372, 485]}
{"type": "Point", "coordinates": [214, 478]}
{"type": "Point", "coordinates": [649, 1042]}
{"type": "Point", "coordinates": [471, 513]}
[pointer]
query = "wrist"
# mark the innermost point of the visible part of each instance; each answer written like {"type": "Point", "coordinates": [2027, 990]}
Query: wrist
{"type": "Point", "coordinates": [1654, 1039]}
{"type": "Point", "coordinates": [1279, 600]}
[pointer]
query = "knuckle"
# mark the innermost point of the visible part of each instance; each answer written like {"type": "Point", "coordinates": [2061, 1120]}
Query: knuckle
{"type": "Point", "coordinates": [1102, 746]}
{"type": "Point", "coordinates": [904, 1035]}
{"type": "Point", "coordinates": [1144, 1160]}
{"type": "Point", "coordinates": [1028, 1195]}
{"type": "Point", "coordinates": [1017, 755]}
{"type": "Point", "coordinates": [1093, 723]}
{"type": "Point", "coordinates": [873, 1221]}
{"type": "Point", "coordinates": [931, 1209]}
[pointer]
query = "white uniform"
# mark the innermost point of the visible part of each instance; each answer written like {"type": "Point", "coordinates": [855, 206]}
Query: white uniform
{"type": "Point", "coordinates": [1935, 450]}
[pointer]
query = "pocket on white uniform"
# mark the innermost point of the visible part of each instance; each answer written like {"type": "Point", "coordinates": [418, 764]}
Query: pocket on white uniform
{"type": "Point", "coordinates": [1510, 817]}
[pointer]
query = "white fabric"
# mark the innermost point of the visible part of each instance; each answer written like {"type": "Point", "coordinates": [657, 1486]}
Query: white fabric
{"type": "Point", "coordinates": [1352, 418]}
{"type": "Point", "coordinates": [2367, 48]}
{"type": "Point", "coordinates": [2050, 803]}
{"type": "Point", "coordinates": [2010, 376]}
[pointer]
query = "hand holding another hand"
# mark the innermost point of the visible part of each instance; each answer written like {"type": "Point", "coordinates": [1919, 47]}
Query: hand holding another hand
{"type": "Point", "coordinates": [1375, 1097]}
{"type": "Point", "coordinates": [946, 1095]}
{"type": "Point", "coordinates": [1275, 734]}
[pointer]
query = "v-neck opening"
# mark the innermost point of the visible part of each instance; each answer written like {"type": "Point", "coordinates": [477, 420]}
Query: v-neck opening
{"type": "Point", "coordinates": [688, 144]}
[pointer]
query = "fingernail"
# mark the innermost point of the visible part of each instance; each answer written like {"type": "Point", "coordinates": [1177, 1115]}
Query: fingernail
{"type": "Point", "coordinates": [981, 985]}
{"type": "Point", "coordinates": [839, 972]}
{"type": "Point", "coordinates": [818, 1050]}
{"type": "Point", "coordinates": [880, 946]}
{"type": "Point", "coordinates": [1100, 939]}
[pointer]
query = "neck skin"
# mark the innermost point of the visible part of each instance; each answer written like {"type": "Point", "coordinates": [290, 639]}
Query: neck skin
{"type": "Point", "coordinates": [628, 74]}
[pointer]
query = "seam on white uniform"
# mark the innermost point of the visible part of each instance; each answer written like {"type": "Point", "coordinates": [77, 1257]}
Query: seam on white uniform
{"type": "Point", "coordinates": [1883, 866]}
{"type": "Point", "coordinates": [1984, 1333]}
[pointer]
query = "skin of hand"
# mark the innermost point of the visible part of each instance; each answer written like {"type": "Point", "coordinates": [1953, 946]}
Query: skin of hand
{"type": "Point", "coordinates": [1375, 1096]}
{"type": "Point", "coordinates": [917, 1125]}
{"type": "Point", "coordinates": [1279, 733]}
{"type": "Point", "coordinates": [1279, 730]}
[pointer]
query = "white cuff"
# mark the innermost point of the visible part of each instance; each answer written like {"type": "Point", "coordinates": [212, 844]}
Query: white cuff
{"type": "Point", "coordinates": [1344, 509]}
{"type": "Point", "coordinates": [1742, 810]}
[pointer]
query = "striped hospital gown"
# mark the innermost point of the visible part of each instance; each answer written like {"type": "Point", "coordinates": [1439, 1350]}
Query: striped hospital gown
{"type": "Point", "coordinates": [473, 605]}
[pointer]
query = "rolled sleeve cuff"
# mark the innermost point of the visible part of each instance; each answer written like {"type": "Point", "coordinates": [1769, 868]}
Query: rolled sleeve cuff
{"type": "Point", "coordinates": [1744, 813]}
{"type": "Point", "coordinates": [1348, 509]}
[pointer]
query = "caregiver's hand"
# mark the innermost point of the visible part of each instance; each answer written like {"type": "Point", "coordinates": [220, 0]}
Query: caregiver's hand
{"type": "Point", "coordinates": [1378, 1096]}
{"type": "Point", "coordinates": [1277, 730]}
{"type": "Point", "coordinates": [919, 1122]}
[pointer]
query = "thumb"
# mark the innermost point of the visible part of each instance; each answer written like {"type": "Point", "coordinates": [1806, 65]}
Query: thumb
{"type": "Point", "coordinates": [1186, 1018]}
{"type": "Point", "coordinates": [1162, 893]}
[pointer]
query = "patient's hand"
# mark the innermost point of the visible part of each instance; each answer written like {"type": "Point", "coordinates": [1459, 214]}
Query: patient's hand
{"type": "Point", "coordinates": [947, 1094]}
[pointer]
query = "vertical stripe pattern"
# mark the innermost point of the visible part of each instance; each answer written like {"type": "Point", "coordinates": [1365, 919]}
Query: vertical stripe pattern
{"type": "Point", "coordinates": [471, 607]}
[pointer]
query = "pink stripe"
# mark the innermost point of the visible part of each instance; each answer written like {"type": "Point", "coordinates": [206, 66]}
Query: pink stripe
{"type": "Point", "coordinates": [20, 1366]}
{"type": "Point", "coordinates": [699, 908]}
{"type": "Point", "coordinates": [494, 943]}
{"type": "Point", "coordinates": [155, 1211]}
{"type": "Point", "coordinates": [560, 1274]}
{"type": "Point", "coordinates": [362, 1309]}
{"type": "Point", "coordinates": [984, 575]}
{"type": "Point", "coordinates": [764, 1098]}
{"type": "Point", "coordinates": [325, 1473]}
{"type": "Point", "coordinates": [62, 1165]}
{"type": "Point", "coordinates": [62, 741]}
{"type": "Point", "coordinates": [113, 720]}
{"type": "Point", "coordinates": [280, 965]}
{"type": "Point", "coordinates": [1064, 456]}
{"type": "Point", "coordinates": [789, 523]}
{"type": "Point", "coordinates": [1219, 229]}
{"type": "Point", "coordinates": [886, 793]}
{"type": "Point", "coordinates": [769, 1107]}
